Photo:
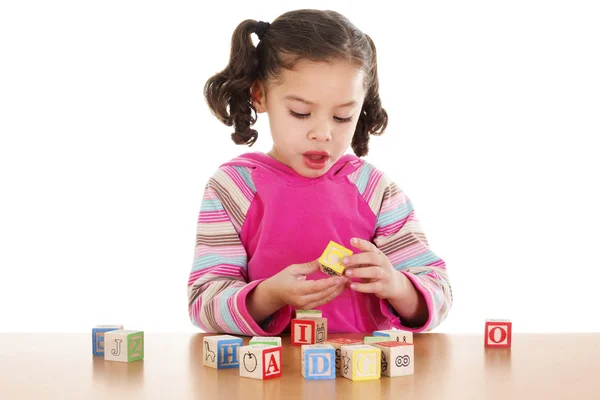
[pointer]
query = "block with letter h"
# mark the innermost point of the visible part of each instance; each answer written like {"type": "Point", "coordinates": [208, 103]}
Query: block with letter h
{"type": "Point", "coordinates": [260, 361]}
{"type": "Point", "coordinates": [308, 331]}
{"type": "Point", "coordinates": [361, 362]}
{"type": "Point", "coordinates": [498, 333]}
{"type": "Point", "coordinates": [318, 361]}
{"type": "Point", "coordinates": [221, 351]}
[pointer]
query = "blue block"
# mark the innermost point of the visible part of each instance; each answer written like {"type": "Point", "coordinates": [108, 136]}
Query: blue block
{"type": "Point", "coordinates": [227, 353]}
{"type": "Point", "coordinates": [319, 363]}
{"type": "Point", "coordinates": [98, 340]}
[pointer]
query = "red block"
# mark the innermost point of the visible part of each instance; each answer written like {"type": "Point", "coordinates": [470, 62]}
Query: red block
{"type": "Point", "coordinates": [498, 333]}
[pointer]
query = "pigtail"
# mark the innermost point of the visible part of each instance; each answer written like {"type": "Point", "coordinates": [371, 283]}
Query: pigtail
{"type": "Point", "coordinates": [373, 118]}
{"type": "Point", "coordinates": [231, 86]}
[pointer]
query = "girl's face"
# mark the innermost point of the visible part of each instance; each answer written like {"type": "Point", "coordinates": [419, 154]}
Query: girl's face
{"type": "Point", "coordinates": [312, 114]}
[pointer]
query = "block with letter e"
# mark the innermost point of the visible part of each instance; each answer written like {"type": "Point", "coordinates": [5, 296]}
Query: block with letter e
{"type": "Point", "coordinates": [318, 361]}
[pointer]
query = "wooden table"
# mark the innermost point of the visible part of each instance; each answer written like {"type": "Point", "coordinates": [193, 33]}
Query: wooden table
{"type": "Point", "coordinates": [447, 366]}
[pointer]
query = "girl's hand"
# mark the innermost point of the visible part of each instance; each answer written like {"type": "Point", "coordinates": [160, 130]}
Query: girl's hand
{"type": "Point", "coordinates": [375, 270]}
{"type": "Point", "coordinates": [291, 287]}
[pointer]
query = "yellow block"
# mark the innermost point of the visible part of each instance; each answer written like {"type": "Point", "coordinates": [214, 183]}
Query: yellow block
{"type": "Point", "coordinates": [331, 260]}
{"type": "Point", "coordinates": [366, 364]}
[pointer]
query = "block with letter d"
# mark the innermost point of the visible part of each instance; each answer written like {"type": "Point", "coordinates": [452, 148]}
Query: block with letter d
{"type": "Point", "coordinates": [124, 345]}
{"type": "Point", "coordinates": [308, 331]}
{"type": "Point", "coordinates": [318, 361]}
{"type": "Point", "coordinates": [98, 337]}
{"type": "Point", "coordinates": [361, 362]}
{"type": "Point", "coordinates": [221, 351]}
{"type": "Point", "coordinates": [260, 361]}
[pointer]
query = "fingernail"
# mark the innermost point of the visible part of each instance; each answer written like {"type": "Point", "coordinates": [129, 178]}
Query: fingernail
{"type": "Point", "coordinates": [349, 272]}
{"type": "Point", "coordinates": [354, 240]}
{"type": "Point", "coordinates": [346, 260]}
{"type": "Point", "coordinates": [337, 281]}
{"type": "Point", "coordinates": [353, 286]}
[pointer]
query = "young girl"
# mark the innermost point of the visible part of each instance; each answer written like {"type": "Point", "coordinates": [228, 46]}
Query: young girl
{"type": "Point", "coordinates": [265, 219]}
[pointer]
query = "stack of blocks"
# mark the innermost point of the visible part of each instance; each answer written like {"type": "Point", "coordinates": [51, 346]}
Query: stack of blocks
{"type": "Point", "coordinates": [117, 344]}
{"type": "Point", "coordinates": [309, 327]}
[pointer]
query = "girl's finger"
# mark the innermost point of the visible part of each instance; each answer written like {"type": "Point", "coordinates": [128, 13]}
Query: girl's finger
{"type": "Point", "coordinates": [366, 272]}
{"type": "Point", "coordinates": [308, 287]}
{"type": "Point", "coordinates": [367, 258]}
{"type": "Point", "coordinates": [363, 245]}
{"type": "Point", "coordinates": [328, 298]}
{"type": "Point", "coordinates": [322, 296]}
{"type": "Point", "coordinates": [371, 287]}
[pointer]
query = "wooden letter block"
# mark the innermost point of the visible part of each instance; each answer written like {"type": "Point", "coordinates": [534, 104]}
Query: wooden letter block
{"type": "Point", "coordinates": [300, 314]}
{"type": "Point", "coordinates": [221, 351]}
{"type": "Point", "coordinates": [98, 337]}
{"type": "Point", "coordinates": [331, 260]}
{"type": "Point", "coordinates": [397, 358]}
{"type": "Point", "coordinates": [308, 331]}
{"type": "Point", "coordinates": [273, 341]}
{"type": "Point", "coordinates": [318, 361]}
{"type": "Point", "coordinates": [498, 333]}
{"type": "Point", "coordinates": [397, 335]}
{"type": "Point", "coordinates": [361, 362]}
{"type": "Point", "coordinates": [376, 339]}
{"type": "Point", "coordinates": [260, 361]}
{"type": "Point", "coordinates": [124, 345]}
{"type": "Point", "coordinates": [337, 345]}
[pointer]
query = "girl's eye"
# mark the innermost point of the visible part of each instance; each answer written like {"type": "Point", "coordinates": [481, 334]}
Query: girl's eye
{"type": "Point", "coordinates": [302, 116]}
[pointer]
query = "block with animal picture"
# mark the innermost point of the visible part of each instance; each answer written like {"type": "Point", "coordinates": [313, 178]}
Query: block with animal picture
{"type": "Point", "coordinates": [361, 362]}
{"type": "Point", "coordinates": [221, 351]}
{"type": "Point", "coordinates": [318, 361]}
{"type": "Point", "coordinates": [337, 345]}
{"type": "Point", "coordinates": [260, 361]}
{"type": "Point", "coordinates": [273, 341]}
{"type": "Point", "coordinates": [331, 259]}
{"type": "Point", "coordinates": [98, 337]}
{"type": "Point", "coordinates": [396, 334]}
{"type": "Point", "coordinates": [124, 345]}
{"type": "Point", "coordinates": [397, 358]}
{"type": "Point", "coordinates": [498, 333]}
{"type": "Point", "coordinates": [308, 331]}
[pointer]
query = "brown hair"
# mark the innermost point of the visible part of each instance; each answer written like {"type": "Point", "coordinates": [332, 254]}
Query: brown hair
{"type": "Point", "coordinates": [315, 35]}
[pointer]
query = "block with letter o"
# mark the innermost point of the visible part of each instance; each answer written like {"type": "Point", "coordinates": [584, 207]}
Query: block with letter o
{"type": "Point", "coordinates": [498, 333]}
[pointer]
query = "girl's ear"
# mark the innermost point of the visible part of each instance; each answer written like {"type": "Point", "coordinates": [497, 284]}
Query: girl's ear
{"type": "Point", "coordinates": [258, 96]}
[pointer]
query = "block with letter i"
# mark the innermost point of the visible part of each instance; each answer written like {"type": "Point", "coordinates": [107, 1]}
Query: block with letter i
{"type": "Point", "coordinates": [331, 259]}
{"type": "Point", "coordinates": [318, 361]}
{"type": "Point", "coordinates": [124, 345]}
{"type": "Point", "coordinates": [98, 337]}
{"type": "Point", "coordinates": [260, 361]}
{"type": "Point", "coordinates": [396, 334]}
{"type": "Point", "coordinates": [397, 358]}
{"type": "Point", "coordinates": [221, 351]}
{"type": "Point", "coordinates": [337, 345]}
{"type": "Point", "coordinates": [498, 333]}
{"type": "Point", "coordinates": [361, 362]}
{"type": "Point", "coordinates": [308, 331]}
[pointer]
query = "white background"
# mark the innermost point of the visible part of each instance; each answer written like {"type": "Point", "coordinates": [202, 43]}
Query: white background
{"type": "Point", "coordinates": [106, 145]}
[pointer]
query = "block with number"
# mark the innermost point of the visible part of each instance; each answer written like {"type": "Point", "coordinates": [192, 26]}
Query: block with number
{"type": "Point", "coordinates": [318, 361]}
{"type": "Point", "coordinates": [498, 333]}
{"type": "Point", "coordinates": [124, 345]}
{"type": "Point", "coordinates": [396, 334]}
{"type": "Point", "coordinates": [308, 331]}
{"type": "Point", "coordinates": [337, 345]}
{"type": "Point", "coordinates": [308, 314]}
{"type": "Point", "coordinates": [397, 358]}
{"type": "Point", "coordinates": [260, 361]}
{"type": "Point", "coordinates": [273, 341]}
{"type": "Point", "coordinates": [98, 337]}
{"type": "Point", "coordinates": [361, 362]}
{"type": "Point", "coordinates": [376, 339]}
{"type": "Point", "coordinates": [221, 351]}
{"type": "Point", "coordinates": [331, 259]}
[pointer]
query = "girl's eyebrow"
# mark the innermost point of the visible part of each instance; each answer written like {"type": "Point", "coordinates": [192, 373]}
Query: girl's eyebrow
{"type": "Point", "coordinates": [300, 99]}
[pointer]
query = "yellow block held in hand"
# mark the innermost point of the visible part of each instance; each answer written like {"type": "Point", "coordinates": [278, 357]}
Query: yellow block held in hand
{"type": "Point", "coordinates": [331, 260]}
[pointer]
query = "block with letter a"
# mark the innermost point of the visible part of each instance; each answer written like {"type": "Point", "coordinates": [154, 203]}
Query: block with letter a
{"type": "Point", "coordinates": [260, 361]}
{"type": "Point", "coordinates": [498, 333]}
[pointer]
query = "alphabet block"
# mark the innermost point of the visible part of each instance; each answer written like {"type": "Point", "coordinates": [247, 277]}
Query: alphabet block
{"type": "Point", "coordinates": [376, 339]}
{"type": "Point", "coordinates": [361, 362]}
{"type": "Point", "coordinates": [337, 345]}
{"type": "Point", "coordinates": [300, 314]}
{"type": "Point", "coordinates": [260, 361]}
{"type": "Point", "coordinates": [318, 361]}
{"type": "Point", "coordinates": [221, 351]}
{"type": "Point", "coordinates": [498, 333]}
{"type": "Point", "coordinates": [273, 341]}
{"type": "Point", "coordinates": [124, 345]}
{"type": "Point", "coordinates": [331, 259]}
{"type": "Point", "coordinates": [397, 358]}
{"type": "Point", "coordinates": [98, 337]}
{"type": "Point", "coordinates": [396, 334]}
{"type": "Point", "coordinates": [308, 331]}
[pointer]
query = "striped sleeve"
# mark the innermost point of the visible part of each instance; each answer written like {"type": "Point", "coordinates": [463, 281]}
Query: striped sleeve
{"type": "Point", "coordinates": [399, 235]}
{"type": "Point", "coordinates": [218, 282]}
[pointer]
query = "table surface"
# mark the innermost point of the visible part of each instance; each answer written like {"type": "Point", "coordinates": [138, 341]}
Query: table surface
{"type": "Point", "coordinates": [447, 366]}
